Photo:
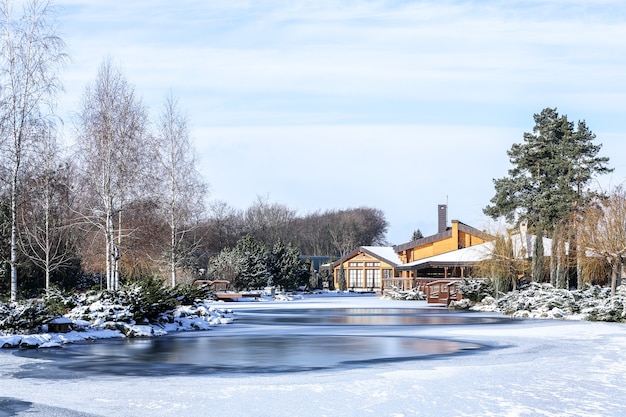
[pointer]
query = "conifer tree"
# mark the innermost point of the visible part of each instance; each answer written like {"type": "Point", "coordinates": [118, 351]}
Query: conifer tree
{"type": "Point", "coordinates": [552, 170]}
{"type": "Point", "coordinates": [417, 234]}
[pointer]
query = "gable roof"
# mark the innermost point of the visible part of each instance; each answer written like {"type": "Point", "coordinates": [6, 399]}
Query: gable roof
{"type": "Point", "coordinates": [473, 231]}
{"type": "Point", "coordinates": [383, 253]}
{"type": "Point", "coordinates": [424, 241]}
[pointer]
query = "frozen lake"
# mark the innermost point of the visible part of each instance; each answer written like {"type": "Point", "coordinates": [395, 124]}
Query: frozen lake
{"type": "Point", "coordinates": [513, 368]}
{"type": "Point", "coordinates": [267, 340]}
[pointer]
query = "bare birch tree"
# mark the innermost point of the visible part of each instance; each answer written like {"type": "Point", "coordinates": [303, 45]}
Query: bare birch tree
{"type": "Point", "coordinates": [184, 191]}
{"type": "Point", "coordinates": [269, 222]}
{"type": "Point", "coordinates": [112, 151]}
{"type": "Point", "coordinates": [45, 222]}
{"type": "Point", "coordinates": [31, 54]}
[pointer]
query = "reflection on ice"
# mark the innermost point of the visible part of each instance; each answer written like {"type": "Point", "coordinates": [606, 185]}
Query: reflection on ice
{"type": "Point", "coordinates": [366, 317]}
{"type": "Point", "coordinates": [263, 341]}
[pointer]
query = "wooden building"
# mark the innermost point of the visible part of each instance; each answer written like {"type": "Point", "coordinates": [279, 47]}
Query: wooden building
{"type": "Point", "coordinates": [374, 268]}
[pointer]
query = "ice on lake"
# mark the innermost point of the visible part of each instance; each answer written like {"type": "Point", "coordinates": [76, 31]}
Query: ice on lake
{"type": "Point", "coordinates": [494, 367]}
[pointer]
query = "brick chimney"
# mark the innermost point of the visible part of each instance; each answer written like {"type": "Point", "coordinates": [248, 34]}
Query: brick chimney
{"type": "Point", "coordinates": [442, 217]}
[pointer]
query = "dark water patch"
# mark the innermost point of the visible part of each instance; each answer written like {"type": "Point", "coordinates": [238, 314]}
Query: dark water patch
{"type": "Point", "coordinates": [211, 354]}
{"type": "Point", "coordinates": [12, 406]}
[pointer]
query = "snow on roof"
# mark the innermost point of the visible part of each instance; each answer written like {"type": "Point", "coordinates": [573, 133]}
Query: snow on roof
{"type": "Point", "coordinates": [475, 253]}
{"type": "Point", "coordinates": [522, 247]}
{"type": "Point", "coordinates": [60, 320]}
{"type": "Point", "coordinates": [386, 253]}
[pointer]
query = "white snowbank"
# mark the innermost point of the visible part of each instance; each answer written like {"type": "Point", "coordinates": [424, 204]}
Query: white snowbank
{"type": "Point", "coordinates": [201, 316]}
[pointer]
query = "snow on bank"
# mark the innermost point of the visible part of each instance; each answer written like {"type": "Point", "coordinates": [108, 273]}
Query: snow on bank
{"type": "Point", "coordinates": [101, 320]}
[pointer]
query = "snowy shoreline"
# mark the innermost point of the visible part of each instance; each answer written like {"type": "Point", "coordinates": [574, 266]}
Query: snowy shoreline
{"type": "Point", "coordinates": [535, 301]}
{"type": "Point", "coordinates": [201, 316]}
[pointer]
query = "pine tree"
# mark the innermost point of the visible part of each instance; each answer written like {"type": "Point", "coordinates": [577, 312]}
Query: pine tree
{"type": "Point", "coordinates": [285, 266]}
{"type": "Point", "coordinates": [253, 272]}
{"type": "Point", "coordinates": [417, 234]}
{"type": "Point", "coordinates": [551, 170]}
{"type": "Point", "coordinates": [548, 184]}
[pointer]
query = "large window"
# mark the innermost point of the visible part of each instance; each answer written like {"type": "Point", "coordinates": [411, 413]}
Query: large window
{"type": "Point", "coordinates": [387, 273]}
{"type": "Point", "coordinates": [355, 278]}
{"type": "Point", "coordinates": [372, 278]}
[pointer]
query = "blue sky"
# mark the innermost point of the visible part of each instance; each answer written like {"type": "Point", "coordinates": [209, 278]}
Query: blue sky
{"type": "Point", "coordinates": [397, 105]}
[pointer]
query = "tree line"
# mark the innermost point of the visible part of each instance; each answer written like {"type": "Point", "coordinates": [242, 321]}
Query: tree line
{"type": "Point", "coordinates": [322, 233]}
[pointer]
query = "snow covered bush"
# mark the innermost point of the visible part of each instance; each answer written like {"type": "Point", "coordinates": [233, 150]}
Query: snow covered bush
{"type": "Point", "coordinates": [145, 301]}
{"type": "Point", "coordinates": [22, 316]}
{"type": "Point", "coordinates": [142, 309]}
{"type": "Point", "coordinates": [607, 309]}
{"type": "Point", "coordinates": [475, 289]}
{"type": "Point", "coordinates": [58, 303]}
{"type": "Point", "coordinates": [148, 299]}
{"type": "Point", "coordinates": [537, 300]}
{"type": "Point", "coordinates": [397, 294]}
{"type": "Point", "coordinates": [537, 297]}
{"type": "Point", "coordinates": [27, 316]}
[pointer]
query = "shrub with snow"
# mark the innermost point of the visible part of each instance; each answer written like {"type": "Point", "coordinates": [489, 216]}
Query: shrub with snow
{"type": "Point", "coordinates": [475, 289]}
{"type": "Point", "coordinates": [537, 300]}
{"type": "Point", "coordinates": [139, 310]}
{"type": "Point", "coordinates": [398, 294]}
{"type": "Point", "coordinates": [23, 316]}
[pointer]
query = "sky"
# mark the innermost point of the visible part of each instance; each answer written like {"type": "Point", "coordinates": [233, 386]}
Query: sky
{"type": "Point", "coordinates": [391, 104]}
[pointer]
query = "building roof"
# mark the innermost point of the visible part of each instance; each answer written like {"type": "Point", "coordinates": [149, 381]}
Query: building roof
{"type": "Point", "coordinates": [424, 241]}
{"type": "Point", "coordinates": [462, 257]}
{"type": "Point", "coordinates": [384, 253]}
{"type": "Point", "coordinates": [522, 247]}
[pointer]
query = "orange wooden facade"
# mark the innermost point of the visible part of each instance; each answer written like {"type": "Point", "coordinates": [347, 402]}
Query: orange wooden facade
{"type": "Point", "coordinates": [376, 269]}
{"type": "Point", "coordinates": [364, 271]}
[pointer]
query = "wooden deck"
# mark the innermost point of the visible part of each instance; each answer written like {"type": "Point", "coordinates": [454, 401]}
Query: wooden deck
{"type": "Point", "coordinates": [234, 296]}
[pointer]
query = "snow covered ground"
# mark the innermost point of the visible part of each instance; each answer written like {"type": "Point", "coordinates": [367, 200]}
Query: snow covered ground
{"type": "Point", "coordinates": [536, 368]}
